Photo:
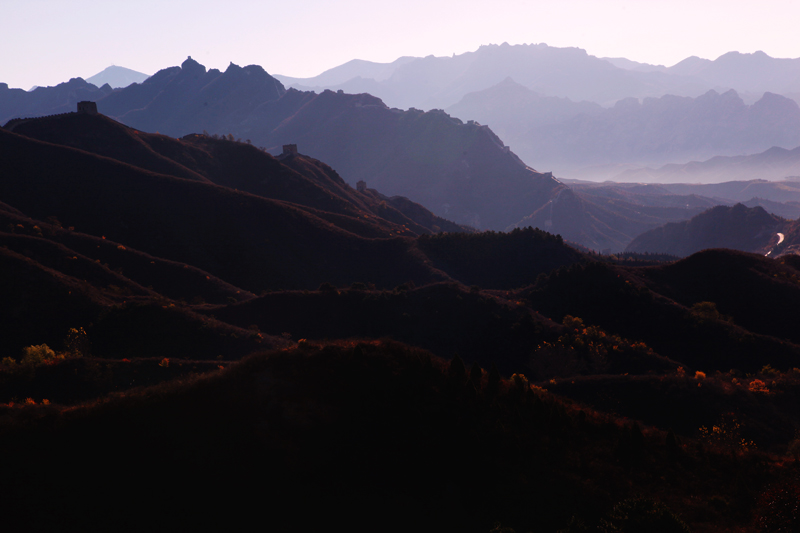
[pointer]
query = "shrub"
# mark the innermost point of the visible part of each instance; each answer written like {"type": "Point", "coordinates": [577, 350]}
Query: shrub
{"type": "Point", "coordinates": [758, 386]}
{"type": "Point", "coordinates": [77, 343]}
{"type": "Point", "coordinates": [726, 433]}
{"type": "Point", "coordinates": [707, 311]}
{"type": "Point", "coordinates": [38, 355]}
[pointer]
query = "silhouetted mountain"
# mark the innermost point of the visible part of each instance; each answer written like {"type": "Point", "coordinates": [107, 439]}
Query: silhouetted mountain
{"type": "Point", "coordinates": [189, 99]}
{"type": "Point", "coordinates": [749, 229]}
{"type": "Point", "coordinates": [462, 172]}
{"type": "Point", "coordinates": [117, 77]}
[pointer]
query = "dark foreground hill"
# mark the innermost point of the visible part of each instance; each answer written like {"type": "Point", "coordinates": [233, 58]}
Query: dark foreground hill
{"type": "Point", "coordinates": [367, 436]}
{"type": "Point", "coordinates": [123, 217]}
{"type": "Point", "coordinates": [714, 311]}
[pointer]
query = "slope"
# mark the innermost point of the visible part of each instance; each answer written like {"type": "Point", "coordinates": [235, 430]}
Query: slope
{"type": "Point", "coordinates": [214, 228]}
{"type": "Point", "coordinates": [750, 229]}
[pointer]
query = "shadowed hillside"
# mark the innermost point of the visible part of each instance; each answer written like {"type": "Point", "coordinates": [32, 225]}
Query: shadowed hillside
{"type": "Point", "coordinates": [203, 224]}
{"type": "Point", "coordinates": [750, 229]}
{"type": "Point", "coordinates": [377, 430]}
{"type": "Point", "coordinates": [624, 300]}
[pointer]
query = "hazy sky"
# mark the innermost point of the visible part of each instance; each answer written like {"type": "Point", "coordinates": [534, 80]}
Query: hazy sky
{"type": "Point", "coordinates": [45, 42]}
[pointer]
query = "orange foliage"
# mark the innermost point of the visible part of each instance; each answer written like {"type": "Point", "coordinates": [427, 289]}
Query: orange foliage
{"type": "Point", "coordinates": [758, 386]}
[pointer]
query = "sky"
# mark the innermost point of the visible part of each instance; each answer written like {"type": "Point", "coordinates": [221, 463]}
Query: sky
{"type": "Point", "coordinates": [46, 42]}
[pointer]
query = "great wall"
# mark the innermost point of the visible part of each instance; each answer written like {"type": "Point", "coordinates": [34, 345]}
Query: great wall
{"type": "Point", "coordinates": [85, 107]}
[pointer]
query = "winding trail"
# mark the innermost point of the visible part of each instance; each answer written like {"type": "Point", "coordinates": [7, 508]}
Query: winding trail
{"type": "Point", "coordinates": [780, 240]}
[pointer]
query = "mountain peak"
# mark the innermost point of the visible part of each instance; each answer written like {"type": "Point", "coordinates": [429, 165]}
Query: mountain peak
{"type": "Point", "coordinates": [117, 77]}
{"type": "Point", "coordinates": [191, 66]}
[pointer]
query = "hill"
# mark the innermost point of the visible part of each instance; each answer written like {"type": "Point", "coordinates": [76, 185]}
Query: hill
{"type": "Point", "coordinates": [136, 219]}
{"type": "Point", "coordinates": [704, 331]}
{"type": "Point", "coordinates": [388, 438]}
{"type": "Point", "coordinates": [105, 197]}
{"type": "Point", "coordinates": [750, 229]}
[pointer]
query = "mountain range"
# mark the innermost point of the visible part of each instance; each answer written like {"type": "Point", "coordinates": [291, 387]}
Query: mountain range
{"type": "Point", "coordinates": [572, 73]}
{"type": "Point", "coordinates": [586, 140]}
{"type": "Point", "coordinates": [555, 107]}
{"type": "Point", "coordinates": [520, 383]}
{"type": "Point", "coordinates": [460, 171]}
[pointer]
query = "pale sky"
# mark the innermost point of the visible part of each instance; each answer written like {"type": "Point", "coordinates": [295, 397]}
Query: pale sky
{"type": "Point", "coordinates": [45, 42]}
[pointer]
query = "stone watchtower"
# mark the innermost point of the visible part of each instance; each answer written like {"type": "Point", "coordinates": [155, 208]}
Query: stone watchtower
{"type": "Point", "coordinates": [289, 149]}
{"type": "Point", "coordinates": [88, 108]}
{"type": "Point", "coordinates": [361, 186]}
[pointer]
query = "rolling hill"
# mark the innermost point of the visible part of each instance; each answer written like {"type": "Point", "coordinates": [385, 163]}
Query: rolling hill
{"type": "Point", "coordinates": [750, 229]}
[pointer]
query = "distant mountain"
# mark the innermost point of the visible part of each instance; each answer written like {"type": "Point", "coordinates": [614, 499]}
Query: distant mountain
{"type": "Point", "coordinates": [741, 191]}
{"type": "Point", "coordinates": [750, 229]}
{"type": "Point", "coordinates": [756, 72]}
{"type": "Point", "coordinates": [627, 64]}
{"type": "Point", "coordinates": [773, 164]}
{"type": "Point", "coordinates": [512, 110]}
{"type": "Point", "coordinates": [439, 82]}
{"type": "Point", "coordinates": [117, 77]}
{"type": "Point", "coordinates": [472, 86]}
{"type": "Point", "coordinates": [661, 130]}
{"type": "Point", "coordinates": [356, 68]}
